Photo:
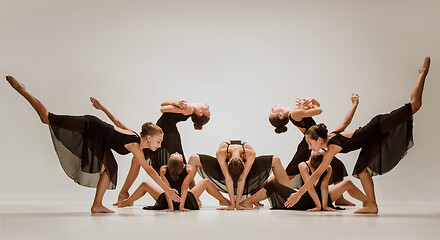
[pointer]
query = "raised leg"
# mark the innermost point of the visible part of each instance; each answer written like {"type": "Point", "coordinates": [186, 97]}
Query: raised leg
{"type": "Point", "coordinates": [416, 93]}
{"type": "Point", "coordinates": [279, 172]}
{"type": "Point", "coordinates": [103, 183]}
{"type": "Point", "coordinates": [207, 185]}
{"type": "Point", "coordinates": [144, 188]}
{"type": "Point", "coordinates": [338, 189]}
{"type": "Point", "coordinates": [131, 177]}
{"type": "Point", "coordinates": [36, 104]}
{"type": "Point", "coordinates": [368, 185]}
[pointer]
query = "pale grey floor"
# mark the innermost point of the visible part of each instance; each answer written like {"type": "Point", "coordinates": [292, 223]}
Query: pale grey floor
{"type": "Point", "coordinates": [70, 219]}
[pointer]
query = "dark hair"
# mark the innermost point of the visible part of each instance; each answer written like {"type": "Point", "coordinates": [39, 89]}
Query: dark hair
{"type": "Point", "coordinates": [199, 121]}
{"type": "Point", "coordinates": [279, 124]}
{"type": "Point", "coordinates": [175, 168]}
{"type": "Point", "coordinates": [316, 159]}
{"type": "Point", "coordinates": [317, 131]}
{"type": "Point", "coordinates": [235, 167]}
{"type": "Point", "coordinates": [151, 129]}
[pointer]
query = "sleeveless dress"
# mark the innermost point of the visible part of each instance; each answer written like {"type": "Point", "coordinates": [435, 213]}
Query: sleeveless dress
{"type": "Point", "coordinates": [383, 141]}
{"type": "Point", "coordinates": [277, 195]}
{"type": "Point", "coordinates": [161, 202]}
{"type": "Point", "coordinates": [171, 140]}
{"type": "Point", "coordinates": [83, 145]}
{"type": "Point", "coordinates": [303, 154]}
{"type": "Point", "coordinates": [258, 175]}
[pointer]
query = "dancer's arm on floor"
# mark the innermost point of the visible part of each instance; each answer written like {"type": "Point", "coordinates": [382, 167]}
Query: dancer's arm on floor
{"type": "Point", "coordinates": [250, 159]}
{"type": "Point", "coordinates": [140, 158]}
{"type": "Point", "coordinates": [162, 172]}
{"type": "Point", "coordinates": [176, 107]}
{"type": "Point", "coordinates": [312, 192]}
{"type": "Point", "coordinates": [324, 190]}
{"type": "Point", "coordinates": [96, 104]}
{"type": "Point", "coordinates": [185, 185]}
{"type": "Point", "coordinates": [349, 116]}
{"type": "Point", "coordinates": [332, 150]}
{"type": "Point", "coordinates": [221, 158]}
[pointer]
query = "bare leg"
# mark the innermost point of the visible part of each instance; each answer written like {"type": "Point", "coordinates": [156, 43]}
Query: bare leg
{"type": "Point", "coordinates": [416, 93]}
{"type": "Point", "coordinates": [131, 177]}
{"type": "Point", "coordinates": [194, 161]}
{"type": "Point", "coordinates": [337, 190]}
{"type": "Point", "coordinates": [36, 104]}
{"type": "Point", "coordinates": [279, 172]}
{"type": "Point", "coordinates": [144, 188]}
{"type": "Point", "coordinates": [368, 185]}
{"type": "Point", "coordinates": [257, 197]}
{"type": "Point", "coordinates": [207, 185]}
{"type": "Point", "coordinates": [103, 183]}
{"type": "Point", "coordinates": [341, 200]}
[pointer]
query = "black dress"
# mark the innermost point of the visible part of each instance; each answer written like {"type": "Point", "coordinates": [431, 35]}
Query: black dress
{"type": "Point", "coordinates": [258, 175]}
{"type": "Point", "coordinates": [171, 140]}
{"type": "Point", "coordinates": [384, 141]}
{"type": "Point", "coordinates": [277, 195]}
{"type": "Point", "coordinates": [83, 145]}
{"type": "Point", "coordinates": [303, 154]}
{"type": "Point", "coordinates": [161, 202]}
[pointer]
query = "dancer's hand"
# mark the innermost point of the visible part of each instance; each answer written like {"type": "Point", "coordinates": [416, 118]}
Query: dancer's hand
{"type": "Point", "coordinates": [95, 103]}
{"type": "Point", "coordinates": [354, 98]}
{"type": "Point", "coordinates": [328, 209]}
{"type": "Point", "coordinates": [168, 210]}
{"type": "Point", "coordinates": [315, 209]}
{"type": "Point", "coordinates": [184, 210]}
{"type": "Point", "coordinates": [425, 67]}
{"type": "Point", "coordinates": [292, 200]}
{"type": "Point", "coordinates": [181, 104]}
{"type": "Point", "coordinates": [239, 207]}
{"type": "Point", "coordinates": [300, 102]}
{"type": "Point", "coordinates": [173, 194]}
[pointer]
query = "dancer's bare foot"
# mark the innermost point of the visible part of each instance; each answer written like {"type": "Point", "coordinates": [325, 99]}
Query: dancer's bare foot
{"type": "Point", "coordinates": [425, 67]}
{"type": "Point", "coordinates": [368, 209]}
{"type": "Point", "coordinates": [15, 84]}
{"type": "Point", "coordinates": [224, 203]}
{"type": "Point", "coordinates": [125, 203]}
{"type": "Point", "coordinates": [258, 204]}
{"type": "Point", "coordinates": [99, 208]}
{"type": "Point", "coordinates": [121, 197]}
{"type": "Point", "coordinates": [246, 204]}
{"type": "Point", "coordinates": [199, 202]}
{"type": "Point", "coordinates": [343, 202]}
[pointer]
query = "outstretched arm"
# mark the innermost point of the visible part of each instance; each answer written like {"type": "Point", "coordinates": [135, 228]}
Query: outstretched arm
{"type": "Point", "coordinates": [328, 157]}
{"type": "Point", "coordinates": [221, 158]}
{"type": "Point", "coordinates": [162, 172]}
{"type": "Point", "coordinates": [347, 120]}
{"type": "Point", "coordinates": [324, 191]}
{"type": "Point", "coordinates": [312, 192]}
{"type": "Point", "coordinates": [96, 104]}
{"type": "Point", "coordinates": [250, 159]}
{"type": "Point", "coordinates": [176, 107]}
{"type": "Point", "coordinates": [139, 156]}
{"type": "Point", "coordinates": [185, 185]}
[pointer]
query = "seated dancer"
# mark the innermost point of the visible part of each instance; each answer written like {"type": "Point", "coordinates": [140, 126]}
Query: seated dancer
{"type": "Point", "coordinates": [384, 141]}
{"type": "Point", "coordinates": [173, 112]}
{"type": "Point", "coordinates": [315, 198]}
{"type": "Point", "coordinates": [83, 145]}
{"type": "Point", "coordinates": [176, 175]}
{"type": "Point", "coordinates": [301, 117]}
{"type": "Point", "coordinates": [237, 171]}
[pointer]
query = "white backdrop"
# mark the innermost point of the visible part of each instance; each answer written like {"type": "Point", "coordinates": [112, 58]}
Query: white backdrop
{"type": "Point", "coordinates": [240, 57]}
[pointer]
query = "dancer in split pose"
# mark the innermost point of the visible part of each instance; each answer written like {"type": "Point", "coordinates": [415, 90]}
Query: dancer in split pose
{"type": "Point", "coordinates": [83, 145]}
{"type": "Point", "coordinates": [173, 112]}
{"type": "Point", "coordinates": [237, 171]}
{"type": "Point", "coordinates": [383, 141]}
{"type": "Point", "coordinates": [176, 175]}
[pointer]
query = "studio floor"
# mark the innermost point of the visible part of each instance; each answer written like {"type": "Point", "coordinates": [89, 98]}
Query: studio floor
{"type": "Point", "coordinates": [71, 219]}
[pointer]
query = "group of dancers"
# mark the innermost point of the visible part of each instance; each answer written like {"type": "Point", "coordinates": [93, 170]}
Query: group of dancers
{"type": "Point", "coordinates": [84, 147]}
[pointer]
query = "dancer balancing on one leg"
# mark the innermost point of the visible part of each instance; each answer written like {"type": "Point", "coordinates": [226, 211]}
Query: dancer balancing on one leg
{"type": "Point", "coordinates": [237, 171]}
{"type": "Point", "coordinates": [301, 117]}
{"type": "Point", "coordinates": [173, 112]}
{"type": "Point", "coordinates": [83, 145]}
{"type": "Point", "coordinates": [176, 175]}
{"type": "Point", "coordinates": [317, 198]}
{"type": "Point", "coordinates": [383, 142]}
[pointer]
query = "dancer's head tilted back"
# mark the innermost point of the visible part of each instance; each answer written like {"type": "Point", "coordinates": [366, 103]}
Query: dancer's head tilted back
{"type": "Point", "coordinates": [153, 135]}
{"type": "Point", "coordinates": [277, 118]}
{"type": "Point", "coordinates": [201, 115]}
{"type": "Point", "coordinates": [175, 165]}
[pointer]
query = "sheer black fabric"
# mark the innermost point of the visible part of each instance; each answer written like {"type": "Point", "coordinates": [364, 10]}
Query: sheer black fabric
{"type": "Point", "coordinates": [384, 141]}
{"type": "Point", "coordinates": [83, 145]}
{"type": "Point", "coordinates": [258, 175]}
{"type": "Point", "coordinates": [171, 140]}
